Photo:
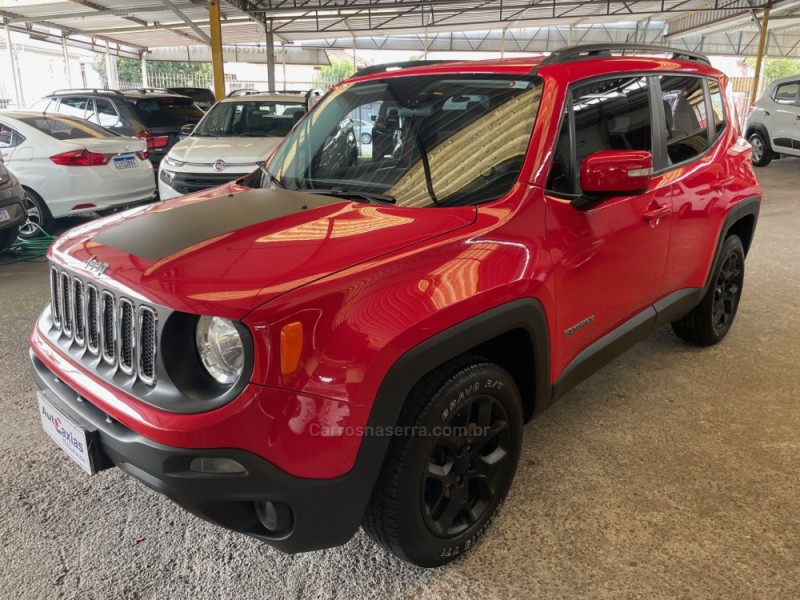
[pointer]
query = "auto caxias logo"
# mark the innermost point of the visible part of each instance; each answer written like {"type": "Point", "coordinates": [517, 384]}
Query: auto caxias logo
{"type": "Point", "coordinates": [66, 435]}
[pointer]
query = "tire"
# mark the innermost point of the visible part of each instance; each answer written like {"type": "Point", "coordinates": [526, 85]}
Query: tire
{"type": "Point", "coordinates": [710, 321]}
{"type": "Point", "coordinates": [762, 153]}
{"type": "Point", "coordinates": [38, 214]}
{"type": "Point", "coordinates": [437, 494]}
{"type": "Point", "coordinates": [7, 237]}
{"type": "Point", "coordinates": [366, 138]}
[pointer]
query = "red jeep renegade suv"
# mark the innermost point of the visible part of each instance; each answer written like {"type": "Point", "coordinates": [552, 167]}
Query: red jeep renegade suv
{"type": "Point", "coordinates": [355, 335]}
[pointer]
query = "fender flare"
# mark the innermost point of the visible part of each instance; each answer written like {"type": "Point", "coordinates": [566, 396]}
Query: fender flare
{"type": "Point", "coordinates": [527, 314]}
{"type": "Point", "coordinates": [760, 128]}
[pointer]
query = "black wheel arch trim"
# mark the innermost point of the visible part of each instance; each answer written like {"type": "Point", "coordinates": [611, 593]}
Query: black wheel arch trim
{"type": "Point", "coordinates": [749, 207]}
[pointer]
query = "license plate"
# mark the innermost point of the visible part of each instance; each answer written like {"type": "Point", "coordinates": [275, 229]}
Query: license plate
{"type": "Point", "coordinates": [4, 216]}
{"type": "Point", "coordinates": [125, 162]}
{"type": "Point", "coordinates": [70, 437]}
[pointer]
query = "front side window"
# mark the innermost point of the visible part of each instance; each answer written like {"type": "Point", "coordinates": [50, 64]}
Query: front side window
{"type": "Point", "coordinates": [786, 93]}
{"type": "Point", "coordinates": [434, 140]}
{"type": "Point", "coordinates": [250, 118]}
{"type": "Point", "coordinates": [610, 114]}
{"type": "Point", "coordinates": [684, 105]}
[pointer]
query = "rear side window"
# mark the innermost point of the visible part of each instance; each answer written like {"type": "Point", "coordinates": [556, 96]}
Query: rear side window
{"type": "Point", "coordinates": [104, 113]}
{"type": "Point", "coordinates": [612, 114]}
{"type": "Point", "coordinates": [167, 110]}
{"type": "Point", "coordinates": [9, 138]}
{"type": "Point", "coordinates": [717, 108]}
{"type": "Point", "coordinates": [74, 106]}
{"type": "Point", "coordinates": [684, 105]}
{"type": "Point", "coordinates": [786, 93]}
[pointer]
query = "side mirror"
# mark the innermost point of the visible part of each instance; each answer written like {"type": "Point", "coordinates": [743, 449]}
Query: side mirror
{"type": "Point", "coordinates": [187, 129]}
{"type": "Point", "coordinates": [615, 173]}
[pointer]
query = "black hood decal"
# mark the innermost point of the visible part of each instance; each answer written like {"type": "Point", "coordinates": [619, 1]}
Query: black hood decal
{"type": "Point", "coordinates": [156, 235]}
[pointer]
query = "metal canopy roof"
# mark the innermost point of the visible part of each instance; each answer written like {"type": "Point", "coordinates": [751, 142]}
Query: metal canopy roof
{"type": "Point", "coordinates": [132, 26]}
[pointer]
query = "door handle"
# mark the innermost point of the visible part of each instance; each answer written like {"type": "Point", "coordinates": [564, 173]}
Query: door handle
{"type": "Point", "coordinates": [657, 213]}
{"type": "Point", "coordinates": [766, 113]}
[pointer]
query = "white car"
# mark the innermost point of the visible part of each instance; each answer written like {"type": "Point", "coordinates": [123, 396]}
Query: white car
{"type": "Point", "coordinates": [229, 142]}
{"type": "Point", "coordinates": [773, 123]}
{"type": "Point", "coordinates": [69, 166]}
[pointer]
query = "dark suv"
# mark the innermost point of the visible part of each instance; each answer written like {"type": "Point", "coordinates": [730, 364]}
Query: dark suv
{"type": "Point", "coordinates": [336, 340]}
{"type": "Point", "coordinates": [152, 115]}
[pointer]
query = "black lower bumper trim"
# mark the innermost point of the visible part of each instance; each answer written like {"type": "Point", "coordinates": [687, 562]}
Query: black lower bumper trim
{"type": "Point", "coordinates": [326, 512]}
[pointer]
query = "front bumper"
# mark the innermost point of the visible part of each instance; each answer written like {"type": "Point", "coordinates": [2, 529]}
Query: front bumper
{"type": "Point", "coordinates": [324, 512]}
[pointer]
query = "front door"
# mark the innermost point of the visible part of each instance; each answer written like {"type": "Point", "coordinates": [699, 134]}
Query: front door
{"type": "Point", "coordinates": [609, 259]}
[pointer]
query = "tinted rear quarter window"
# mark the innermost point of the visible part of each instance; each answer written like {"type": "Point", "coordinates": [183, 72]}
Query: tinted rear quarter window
{"type": "Point", "coordinates": [717, 107]}
{"type": "Point", "coordinates": [684, 105]}
{"type": "Point", "coordinates": [64, 128]}
{"type": "Point", "coordinates": [167, 111]}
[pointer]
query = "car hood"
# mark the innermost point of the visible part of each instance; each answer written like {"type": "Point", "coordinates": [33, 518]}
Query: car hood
{"type": "Point", "coordinates": [233, 150]}
{"type": "Point", "coordinates": [227, 250]}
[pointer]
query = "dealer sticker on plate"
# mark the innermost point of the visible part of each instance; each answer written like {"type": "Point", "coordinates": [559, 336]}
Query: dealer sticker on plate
{"type": "Point", "coordinates": [4, 216]}
{"type": "Point", "coordinates": [125, 162]}
{"type": "Point", "coordinates": [71, 437]}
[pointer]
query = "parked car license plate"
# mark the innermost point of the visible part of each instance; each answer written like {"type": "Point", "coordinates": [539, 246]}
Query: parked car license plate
{"type": "Point", "coordinates": [125, 162]}
{"type": "Point", "coordinates": [70, 436]}
{"type": "Point", "coordinates": [4, 216]}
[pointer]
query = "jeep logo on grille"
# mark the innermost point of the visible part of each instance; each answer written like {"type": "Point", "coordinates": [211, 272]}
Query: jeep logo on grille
{"type": "Point", "coordinates": [96, 266]}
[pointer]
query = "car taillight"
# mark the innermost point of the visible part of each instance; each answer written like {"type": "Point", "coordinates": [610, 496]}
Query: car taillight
{"type": "Point", "coordinates": [143, 155]}
{"type": "Point", "coordinates": [158, 141]}
{"type": "Point", "coordinates": [80, 158]}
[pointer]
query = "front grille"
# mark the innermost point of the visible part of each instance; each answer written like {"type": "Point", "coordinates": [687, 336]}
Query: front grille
{"type": "Point", "coordinates": [108, 327]}
{"type": "Point", "coordinates": [124, 335]}
{"type": "Point", "coordinates": [92, 319]}
{"type": "Point", "coordinates": [127, 336]}
{"type": "Point", "coordinates": [66, 304]}
{"type": "Point", "coordinates": [194, 182]}
{"type": "Point", "coordinates": [79, 308]}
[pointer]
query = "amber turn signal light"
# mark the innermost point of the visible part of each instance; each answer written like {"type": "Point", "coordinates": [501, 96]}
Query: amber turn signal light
{"type": "Point", "coordinates": [291, 346]}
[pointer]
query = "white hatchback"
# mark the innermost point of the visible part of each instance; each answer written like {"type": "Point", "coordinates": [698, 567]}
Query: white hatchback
{"type": "Point", "coordinates": [69, 166]}
{"type": "Point", "coordinates": [773, 123]}
{"type": "Point", "coordinates": [229, 142]}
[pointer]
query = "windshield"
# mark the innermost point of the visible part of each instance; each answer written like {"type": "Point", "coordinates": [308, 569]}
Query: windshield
{"type": "Point", "coordinates": [66, 128]}
{"type": "Point", "coordinates": [252, 118]}
{"type": "Point", "coordinates": [414, 141]}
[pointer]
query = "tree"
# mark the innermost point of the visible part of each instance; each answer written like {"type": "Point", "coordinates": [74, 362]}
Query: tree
{"type": "Point", "coordinates": [776, 68]}
{"type": "Point", "coordinates": [130, 70]}
{"type": "Point", "coordinates": [339, 69]}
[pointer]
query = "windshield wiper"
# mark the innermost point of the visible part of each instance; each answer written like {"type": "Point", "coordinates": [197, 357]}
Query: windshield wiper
{"type": "Point", "coordinates": [274, 180]}
{"type": "Point", "coordinates": [342, 193]}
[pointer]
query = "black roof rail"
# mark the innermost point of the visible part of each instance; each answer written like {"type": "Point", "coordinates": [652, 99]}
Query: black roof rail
{"type": "Point", "coordinates": [91, 90]}
{"type": "Point", "coordinates": [586, 51]}
{"type": "Point", "coordinates": [396, 65]}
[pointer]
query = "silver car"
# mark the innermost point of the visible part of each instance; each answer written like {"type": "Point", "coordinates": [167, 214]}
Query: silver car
{"type": "Point", "coordinates": [773, 123]}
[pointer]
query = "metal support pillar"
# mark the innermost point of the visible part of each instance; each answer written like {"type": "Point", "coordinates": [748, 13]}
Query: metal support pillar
{"type": "Point", "coordinates": [762, 43]}
{"type": "Point", "coordinates": [216, 49]}
{"type": "Point", "coordinates": [145, 79]}
{"type": "Point", "coordinates": [65, 50]}
{"type": "Point", "coordinates": [18, 99]}
{"type": "Point", "coordinates": [270, 58]}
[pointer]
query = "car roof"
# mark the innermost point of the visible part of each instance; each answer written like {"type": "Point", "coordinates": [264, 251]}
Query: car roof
{"type": "Point", "coordinates": [790, 79]}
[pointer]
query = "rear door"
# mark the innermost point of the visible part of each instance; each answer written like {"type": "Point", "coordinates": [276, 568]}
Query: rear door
{"type": "Point", "coordinates": [608, 259]}
{"type": "Point", "coordinates": [784, 122]}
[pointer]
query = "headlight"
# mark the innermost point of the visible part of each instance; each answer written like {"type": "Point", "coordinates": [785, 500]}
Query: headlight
{"type": "Point", "coordinates": [172, 162]}
{"type": "Point", "coordinates": [221, 349]}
